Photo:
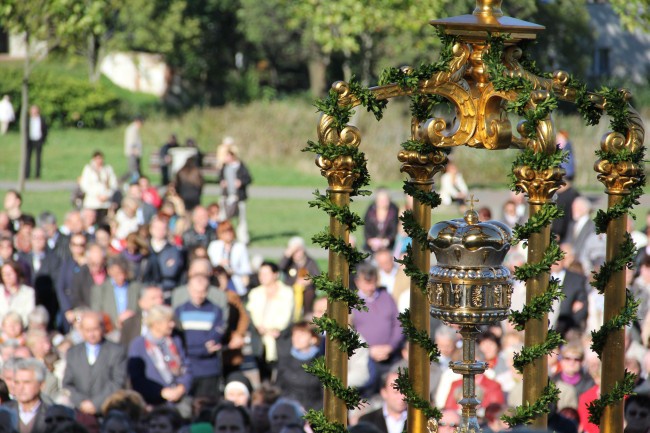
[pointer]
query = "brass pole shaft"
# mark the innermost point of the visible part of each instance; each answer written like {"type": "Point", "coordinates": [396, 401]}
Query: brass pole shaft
{"type": "Point", "coordinates": [613, 369]}
{"type": "Point", "coordinates": [418, 362]}
{"type": "Point", "coordinates": [536, 372]}
{"type": "Point", "coordinates": [336, 360]}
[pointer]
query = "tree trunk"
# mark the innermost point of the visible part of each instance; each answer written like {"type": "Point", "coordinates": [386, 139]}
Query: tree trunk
{"type": "Point", "coordinates": [317, 66]}
{"type": "Point", "coordinates": [347, 68]}
{"type": "Point", "coordinates": [92, 59]}
{"type": "Point", "coordinates": [24, 118]}
{"type": "Point", "coordinates": [367, 45]}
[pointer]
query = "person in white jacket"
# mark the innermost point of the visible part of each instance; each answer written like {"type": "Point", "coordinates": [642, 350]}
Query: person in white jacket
{"type": "Point", "coordinates": [7, 114]}
{"type": "Point", "coordinates": [98, 183]}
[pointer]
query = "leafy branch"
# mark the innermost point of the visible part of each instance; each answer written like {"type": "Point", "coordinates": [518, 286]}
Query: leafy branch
{"type": "Point", "coordinates": [343, 214]}
{"type": "Point", "coordinates": [525, 413]}
{"type": "Point", "coordinates": [411, 270]}
{"type": "Point", "coordinates": [337, 291]}
{"type": "Point", "coordinates": [618, 393]}
{"type": "Point", "coordinates": [529, 354]}
{"type": "Point", "coordinates": [349, 396]}
{"type": "Point", "coordinates": [419, 337]}
{"type": "Point", "coordinates": [627, 315]}
{"type": "Point", "coordinates": [348, 339]}
{"type": "Point", "coordinates": [403, 384]}
{"type": "Point", "coordinates": [623, 259]}
{"type": "Point", "coordinates": [539, 305]}
{"type": "Point", "coordinates": [330, 242]}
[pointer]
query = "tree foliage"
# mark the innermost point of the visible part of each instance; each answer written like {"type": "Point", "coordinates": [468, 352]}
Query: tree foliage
{"type": "Point", "coordinates": [634, 14]}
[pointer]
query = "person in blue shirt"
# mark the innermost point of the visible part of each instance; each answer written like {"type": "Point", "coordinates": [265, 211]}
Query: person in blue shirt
{"type": "Point", "coordinates": [202, 323]}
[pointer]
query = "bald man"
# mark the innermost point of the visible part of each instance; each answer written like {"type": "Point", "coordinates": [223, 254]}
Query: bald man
{"type": "Point", "coordinates": [95, 368]}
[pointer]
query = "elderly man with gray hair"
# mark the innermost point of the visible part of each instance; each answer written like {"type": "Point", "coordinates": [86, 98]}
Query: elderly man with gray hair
{"type": "Point", "coordinates": [29, 375]}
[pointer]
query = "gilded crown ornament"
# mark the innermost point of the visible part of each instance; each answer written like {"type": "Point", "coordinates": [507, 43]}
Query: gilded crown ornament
{"type": "Point", "coordinates": [469, 287]}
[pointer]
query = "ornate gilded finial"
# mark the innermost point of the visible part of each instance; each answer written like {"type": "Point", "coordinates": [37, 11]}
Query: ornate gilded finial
{"type": "Point", "coordinates": [471, 216]}
{"type": "Point", "coordinates": [487, 8]}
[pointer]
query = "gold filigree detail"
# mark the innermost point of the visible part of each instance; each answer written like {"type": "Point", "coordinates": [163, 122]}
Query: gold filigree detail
{"type": "Point", "coordinates": [539, 185]}
{"type": "Point", "coordinates": [432, 425]}
{"type": "Point", "coordinates": [509, 291]}
{"type": "Point", "coordinates": [477, 296]}
{"type": "Point", "coordinates": [497, 295]}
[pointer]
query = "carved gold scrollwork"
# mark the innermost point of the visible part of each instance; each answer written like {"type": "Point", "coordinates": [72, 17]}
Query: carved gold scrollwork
{"type": "Point", "coordinates": [340, 171]}
{"type": "Point", "coordinates": [511, 59]}
{"type": "Point", "coordinates": [619, 177]}
{"type": "Point", "coordinates": [434, 131]}
{"type": "Point", "coordinates": [327, 133]}
{"type": "Point", "coordinates": [494, 130]}
{"type": "Point", "coordinates": [539, 185]}
{"type": "Point", "coordinates": [561, 80]}
{"type": "Point", "coordinates": [545, 130]}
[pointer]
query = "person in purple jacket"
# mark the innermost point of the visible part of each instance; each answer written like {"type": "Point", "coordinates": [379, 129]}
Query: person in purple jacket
{"type": "Point", "coordinates": [157, 364]}
{"type": "Point", "coordinates": [203, 327]}
{"type": "Point", "coordinates": [378, 326]}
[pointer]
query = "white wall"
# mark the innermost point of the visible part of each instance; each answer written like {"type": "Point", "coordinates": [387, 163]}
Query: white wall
{"type": "Point", "coordinates": [140, 72]}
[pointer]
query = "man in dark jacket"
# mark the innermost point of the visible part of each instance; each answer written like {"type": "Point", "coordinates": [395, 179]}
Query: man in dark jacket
{"type": "Point", "coordinates": [166, 264]}
{"type": "Point", "coordinates": [29, 406]}
{"type": "Point", "coordinates": [37, 134]}
{"type": "Point", "coordinates": [391, 417]}
{"type": "Point", "coordinates": [96, 368]}
{"type": "Point", "coordinates": [44, 270]}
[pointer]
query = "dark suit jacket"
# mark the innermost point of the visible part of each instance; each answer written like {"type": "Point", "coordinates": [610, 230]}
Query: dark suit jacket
{"type": "Point", "coordinates": [98, 381]}
{"type": "Point", "coordinates": [61, 246]}
{"type": "Point", "coordinates": [131, 329]}
{"type": "Point", "coordinates": [39, 420]}
{"type": "Point", "coordinates": [376, 418]}
{"type": "Point", "coordinates": [44, 282]}
{"type": "Point", "coordinates": [82, 283]}
{"type": "Point", "coordinates": [575, 289]}
{"type": "Point", "coordinates": [64, 283]}
{"type": "Point", "coordinates": [564, 200]}
{"type": "Point", "coordinates": [102, 298]}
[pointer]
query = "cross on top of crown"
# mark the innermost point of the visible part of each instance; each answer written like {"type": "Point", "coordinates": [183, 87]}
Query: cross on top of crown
{"type": "Point", "coordinates": [471, 201]}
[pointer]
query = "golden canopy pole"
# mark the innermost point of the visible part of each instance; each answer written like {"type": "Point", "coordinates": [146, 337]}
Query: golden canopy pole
{"type": "Point", "coordinates": [421, 169]}
{"type": "Point", "coordinates": [613, 369]}
{"type": "Point", "coordinates": [540, 185]}
{"type": "Point", "coordinates": [617, 178]}
{"type": "Point", "coordinates": [336, 360]}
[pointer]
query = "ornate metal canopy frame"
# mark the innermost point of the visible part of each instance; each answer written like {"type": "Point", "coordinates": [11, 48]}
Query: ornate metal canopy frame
{"type": "Point", "coordinates": [485, 76]}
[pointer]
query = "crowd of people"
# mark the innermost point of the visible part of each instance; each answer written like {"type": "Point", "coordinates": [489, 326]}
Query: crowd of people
{"type": "Point", "coordinates": [143, 311]}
